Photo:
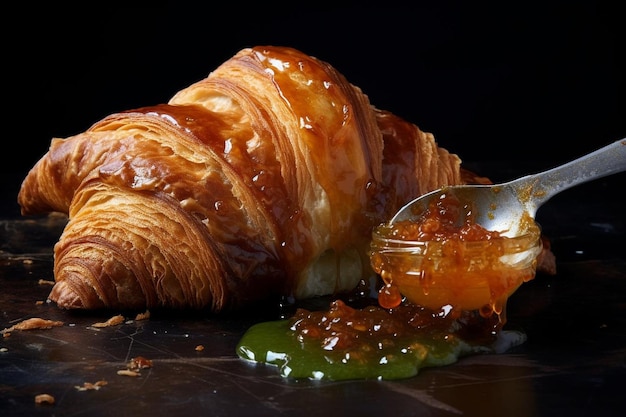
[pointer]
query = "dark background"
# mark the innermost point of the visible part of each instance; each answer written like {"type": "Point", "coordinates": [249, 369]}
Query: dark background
{"type": "Point", "coordinates": [522, 87]}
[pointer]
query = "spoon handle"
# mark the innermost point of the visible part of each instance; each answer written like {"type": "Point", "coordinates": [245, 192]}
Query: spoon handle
{"type": "Point", "coordinates": [540, 187]}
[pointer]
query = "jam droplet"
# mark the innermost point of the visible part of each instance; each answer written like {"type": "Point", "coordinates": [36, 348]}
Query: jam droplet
{"type": "Point", "coordinates": [389, 296]}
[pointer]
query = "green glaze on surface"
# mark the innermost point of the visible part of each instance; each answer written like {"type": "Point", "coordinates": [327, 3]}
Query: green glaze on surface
{"type": "Point", "coordinates": [274, 343]}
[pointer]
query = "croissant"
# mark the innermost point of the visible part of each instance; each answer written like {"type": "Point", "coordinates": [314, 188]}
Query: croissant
{"type": "Point", "coordinates": [263, 179]}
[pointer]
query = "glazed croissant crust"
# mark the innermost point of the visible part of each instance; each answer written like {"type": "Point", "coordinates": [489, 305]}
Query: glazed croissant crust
{"type": "Point", "coordinates": [263, 179]}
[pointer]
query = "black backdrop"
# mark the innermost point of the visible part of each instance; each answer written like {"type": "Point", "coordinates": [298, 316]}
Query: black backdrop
{"type": "Point", "coordinates": [524, 86]}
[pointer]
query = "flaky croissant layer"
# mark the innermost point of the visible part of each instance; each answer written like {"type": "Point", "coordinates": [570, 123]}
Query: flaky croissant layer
{"type": "Point", "coordinates": [265, 178]}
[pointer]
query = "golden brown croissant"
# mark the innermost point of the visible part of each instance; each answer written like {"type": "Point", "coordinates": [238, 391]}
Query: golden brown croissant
{"type": "Point", "coordinates": [265, 178]}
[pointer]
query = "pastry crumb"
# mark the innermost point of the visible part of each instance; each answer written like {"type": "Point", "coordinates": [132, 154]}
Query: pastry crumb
{"type": "Point", "coordinates": [128, 372]}
{"type": "Point", "coordinates": [44, 399]}
{"type": "Point", "coordinates": [113, 321]}
{"type": "Point", "coordinates": [32, 323]}
{"type": "Point", "coordinates": [143, 316]}
{"type": "Point", "coordinates": [88, 386]}
{"type": "Point", "coordinates": [138, 363]}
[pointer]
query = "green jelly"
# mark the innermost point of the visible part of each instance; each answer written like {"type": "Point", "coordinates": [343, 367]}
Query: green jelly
{"type": "Point", "coordinates": [275, 343]}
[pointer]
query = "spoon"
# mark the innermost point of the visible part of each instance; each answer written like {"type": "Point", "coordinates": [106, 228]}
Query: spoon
{"type": "Point", "coordinates": [501, 207]}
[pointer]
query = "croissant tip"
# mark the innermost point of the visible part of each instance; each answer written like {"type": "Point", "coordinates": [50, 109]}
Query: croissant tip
{"type": "Point", "coordinates": [63, 295]}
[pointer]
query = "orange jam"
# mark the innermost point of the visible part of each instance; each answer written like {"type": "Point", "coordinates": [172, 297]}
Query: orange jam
{"type": "Point", "coordinates": [443, 259]}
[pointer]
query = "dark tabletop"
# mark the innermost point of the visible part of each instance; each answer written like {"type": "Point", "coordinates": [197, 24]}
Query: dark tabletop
{"type": "Point", "coordinates": [573, 362]}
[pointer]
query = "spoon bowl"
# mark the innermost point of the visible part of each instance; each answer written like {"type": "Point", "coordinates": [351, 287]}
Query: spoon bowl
{"type": "Point", "coordinates": [502, 207]}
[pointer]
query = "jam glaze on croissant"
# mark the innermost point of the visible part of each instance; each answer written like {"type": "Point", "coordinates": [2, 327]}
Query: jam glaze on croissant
{"type": "Point", "coordinates": [263, 179]}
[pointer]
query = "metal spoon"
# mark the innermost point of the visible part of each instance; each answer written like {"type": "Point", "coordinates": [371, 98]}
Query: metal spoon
{"type": "Point", "coordinates": [500, 207]}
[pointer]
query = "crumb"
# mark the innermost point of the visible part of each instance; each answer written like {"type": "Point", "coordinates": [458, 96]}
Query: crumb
{"type": "Point", "coordinates": [88, 386]}
{"type": "Point", "coordinates": [113, 321]}
{"type": "Point", "coordinates": [134, 366]}
{"type": "Point", "coordinates": [33, 323]}
{"type": "Point", "coordinates": [199, 348]}
{"type": "Point", "coordinates": [38, 303]}
{"type": "Point", "coordinates": [44, 399]}
{"type": "Point", "coordinates": [143, 316]}
{"type": "Point", "coordinates": [128, 372]}
{"type": "Point", "coordinates": [45, 282]}
{"type": "Point", "coordinates": [138, 363]}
